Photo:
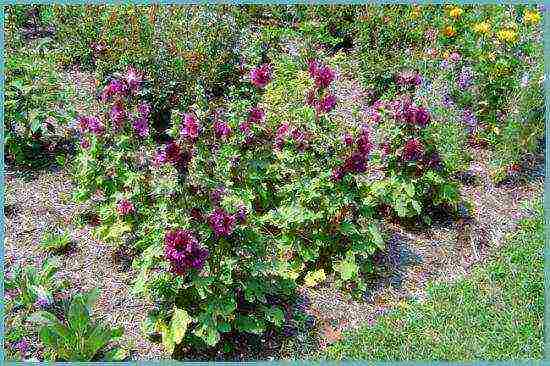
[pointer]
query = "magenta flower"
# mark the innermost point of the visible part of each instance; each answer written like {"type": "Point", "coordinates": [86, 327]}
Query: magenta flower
{"type": "Point", "coordinates": [326, 104]}
{"type": "Point", "coordinates": [114, 88]}
{"type": "Point", "coordinates": [221, 222]}
{"type": "Point", "coordinates": [364, 144]}
{"type": "Point", "coordinates": [324, 75]}
{"type": "Point", "coordinates": [144, 109]}
{"type": "Point", "coordinates": [85, 143]}
{"type": "Point", "coordinates": [347, 139]}
{"type": "Point", "coordinates": [261, 75]}
{"type": "Point", "coordinates": [413, 150]}
{"type": "Point", "coordinates": [117, 114]}
{"type": "Point", "coordinates": [22, 346]}
{"type": "Point", "coordinates": [125, 207]}
{"type": "Point", "coordinates": [141, 126]}
{"type": "Point", "coordinates": [222, 129]}
{"type": "Point", "coordinates": [312, 67]}
{"type": "Point", "coordinates": [182, 250]}
{"type": "Point", "coordinates": [190, 126]}
{"type": "Point", "coordinates": [256, 115]}
{"type": "Point", "coordinates": [95, 126]}
{"type": "Point", "coordinates": [133, 78]}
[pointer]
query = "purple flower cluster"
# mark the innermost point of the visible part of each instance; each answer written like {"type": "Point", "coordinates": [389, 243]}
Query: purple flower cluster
{"type": "Point", "coordinates": [125, 207]}
{"type": "Point", "coordinates": [216, 196]}
{"type": "Point", "coordinates": [117, 114]}
{"type": "Point", "coordinates": [222, 222]}
{"type": "Point", "coordinates": [182, 250]}
{"type": "Point", "coordinates": [261, 75]}
{"type": "Point", "coordinates": [416, 116]}
{"type": "Point", "coordinates": [413, 150]}
{"type": "Point", "coordinates": [222, 129]}
{"type": "Point", "coordinates": [465, 78]}
{"type": "Point", "coordinates": [22, 346]}
{"type": "Point", "coordinates": [141, 124]}
{"type": "Point", "coordinates": [42, 302]}
{"type": "Point", "coordinates": [323, 76]}
{"type": "Point", "coordinates": [191, 126]}
{"type": "Point", "coordinates": [357, 161]}
{"type": "Point", "coordinates": [284, 133]}
{"type": "Point", "coordinates": [91, 124]}
{"type": "Point", "coordinates": [405, 78]}
{"type": "Point", "coordinates": [256, 115]}
{"type": "Point", "coordinates": [114, 88]}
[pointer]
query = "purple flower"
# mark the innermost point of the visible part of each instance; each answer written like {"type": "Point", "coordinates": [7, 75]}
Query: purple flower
{"type": "Point", "coordinates": [222, 129]}
{"type": "Point", "coordinates": [221, 222]}
{"type": "Point", "coordinates": [22, 346]}
{"type": "Point", "coordinates": [469, 118]}
{"type": "Point", "coordinates": [256, 115]}
{"type": "Point", "coordinates": [241, 214]}
{"type": "Point", "coordinates": [114, 88]}
{"type": "Point", "coordinates": [85, 143]}
{"type": "Point", "coordinates": [326, 104]}
{"type": "Point", "coordinates": [413, 150]}
{"type": "Point", "coordinates": [465, 78]}
{"type": "Point", "coordinates": [190, 126]}
{"type": "Point", "coordinates": [447, 101]}
{"type": "Point", "coordinates": [182, 250]}
{"type": "Point", "coordinates": [133, 78]}
{"type": "Point", "coordinates": [261, 75]}
{"type": "Point", "coordinates": [144, 109]}
{"type": "Point", "coordinates": [125, 207]}
{"type": "Point", "coordinates": [324, 75]}
{"type": "Point", "coordinates": [216, 195]}
{"type": "Point", "coordinates": [42, 302]}
{"type": "Point", "coordinates": [95, 126]}
{"type": "Point", "coordinates": [347, 139]}
{"type": "Point", "coordinates": [117, 114]}
{"type": "Point", "coordinates": [141, 126]}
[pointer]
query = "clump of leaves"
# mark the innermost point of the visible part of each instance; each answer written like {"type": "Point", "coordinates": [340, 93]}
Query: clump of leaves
{"type": "Point", "coordinates": [78, 337]}
{"type": "Point", "coordinates": [56, 242]}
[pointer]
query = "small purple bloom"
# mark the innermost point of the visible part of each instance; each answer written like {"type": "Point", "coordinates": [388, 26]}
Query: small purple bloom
{"type": "Point", "coordinates": [256, 115]}
{"type": "Point", "coordinates": [22, 346]}
{"type": "Point", "coordinates": [347, 139]}
{"type": "Point", "coordinates": [133, 78]}
{"type": "Point", "coordinates": [144, 109]}
{"type": "Point", "coordinates": [42, 302]}
{"type": "Point", "coordinates": [125, 207]}
{"type": "Point", "coordinates": [190, 126]}
{"type": "Point", "coordinates": [241, 214]}
{"type": "Point", "coordinates": [413, 150]}
{"type": "Point", "coordinates": [141, 126]}
{"type": "Point", "coordinates": [261, 76]}
{"type": "Point", "coordinates": [95, 126]}
{"type": "Point", "coordinates": [117, 114]}
{"type": "Point", "coordinates": [182, 250]}
{"type": "Point", "coordinates": [221, 222]}
{"type": "Point", "coordinates": [465, 78]}
{"type": "Point", "coordinates": [115, 87]}
{"type": "Point", "coordinates": [85, 143]}
{"type": "Point", "coordinates": [222, 129]}
{"type": "Point", "coordinates": [216, 195]}
{"type": "Point", "coordinates": [327, 104]}
{"type": "Point", "coordinates": [469, 118]}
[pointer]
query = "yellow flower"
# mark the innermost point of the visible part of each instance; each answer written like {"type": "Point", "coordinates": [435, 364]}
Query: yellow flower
{"type": "Point", "coordinates": [449, 31]}
{"type": "Point", "coordinates": [507, 35]}
{"type": "Point", "coordinates": [531, 17]}
{"type": "Point", "coordinates": [496, 130]}
{"type": "Point", "coordinates": [415, 13]}
{"type": "Point", "coordinates": [482, 27]}
{"type": "Point", "coordinates": [456, 12]}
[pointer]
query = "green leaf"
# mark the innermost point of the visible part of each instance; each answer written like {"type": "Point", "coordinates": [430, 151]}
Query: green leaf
{"type": "Point", "coordinates": [178, 324]}
{"type": "Point", "coordinates": [167, 340]}
{"type": "Point", "coordinates": [212, 336]}
{"type": "Point", "coordinates": [43, 318]}
{"type": "Point", "coordinates": [347, 270]}
{"type": "Point", "coordinates": [249, 324]}
{"type": "Point", "coordinates": [116, 354]}
{"type": "Point", "coordinates": [275, 315]}
{"type": "Point", "coordinates": [376, 236]}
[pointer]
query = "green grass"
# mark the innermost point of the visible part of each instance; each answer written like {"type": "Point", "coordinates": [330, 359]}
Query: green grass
{"type": "Point", "coordinates": [496, 313]}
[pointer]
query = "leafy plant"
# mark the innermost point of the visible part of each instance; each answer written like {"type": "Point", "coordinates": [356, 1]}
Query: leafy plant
{"type": "Point", "coordinates": [55, 242]}
{"type": "Point", "coordinates": [79, 338]}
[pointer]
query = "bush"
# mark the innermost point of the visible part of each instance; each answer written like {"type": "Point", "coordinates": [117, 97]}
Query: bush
{"type": "Point", "coordinates": [37, 112]}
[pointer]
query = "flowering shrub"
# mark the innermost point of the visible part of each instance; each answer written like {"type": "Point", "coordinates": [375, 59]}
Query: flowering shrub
{"type": "Point", "coordinates": [232, 209]}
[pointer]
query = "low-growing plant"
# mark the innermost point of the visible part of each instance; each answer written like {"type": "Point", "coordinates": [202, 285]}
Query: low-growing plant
{"type": "Point", "coordinates": [55, 242]}
{"type": "Point", "coordinates": [33, 286]}
{"type": "Point", "coordinates": [79, 337]}
{"type": "Point", "coordinates": [36, 106]}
